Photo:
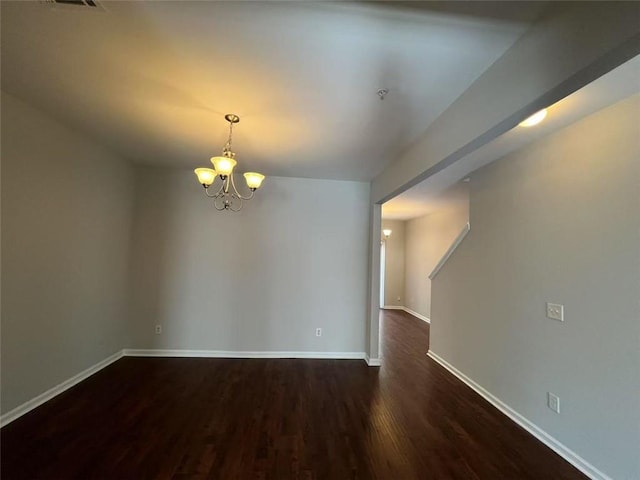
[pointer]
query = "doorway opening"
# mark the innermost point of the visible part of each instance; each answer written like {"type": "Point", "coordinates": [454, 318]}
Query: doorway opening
{"type": "Point", "coordinates": [382, 273]}
{"type": "Point", "coordinates": [418, 229]}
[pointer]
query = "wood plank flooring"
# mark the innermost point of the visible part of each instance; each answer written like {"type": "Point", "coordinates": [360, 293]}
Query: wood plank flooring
{"type": "Point", "coordinates": [197, 418]}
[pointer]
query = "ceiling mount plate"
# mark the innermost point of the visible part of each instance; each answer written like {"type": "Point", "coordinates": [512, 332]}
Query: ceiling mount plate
{"type": "Point", "coordinates": [232, 118]}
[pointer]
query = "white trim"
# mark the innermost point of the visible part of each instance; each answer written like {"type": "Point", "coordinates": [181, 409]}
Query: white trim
{"type": "Point", "coordinates": [566, 453]}
{"type": "Point", "coordinates": [57, 390]}
{"type": "Point", "coordinates": [417, 315]}
{"type": "Point", "coordinates": [372, 362]}
{"type": "Point", "coordinates": [243, 354]}
{"type": "Point", "coordinates": [409, 311]}
{"type": "Point", "coordinates": [450, 250]}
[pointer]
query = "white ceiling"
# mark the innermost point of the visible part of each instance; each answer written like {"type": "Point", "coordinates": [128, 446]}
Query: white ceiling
{"type": "Point", "coordinates": [453, 197]}
{"type": "Point", "coordinates": [152, 80]}
{"type": "Point", "coordinates": [427, 196]}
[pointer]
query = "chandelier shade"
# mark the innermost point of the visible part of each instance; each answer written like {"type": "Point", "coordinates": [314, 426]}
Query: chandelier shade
{"type": "Point", "coordinates": [223, 165]}
{"type": "Point", "coordinates": [254, 180]}
{"type": "Point", "coordinates": [206, 176]}
{"type": "Point", "coordinates": [227, 196]}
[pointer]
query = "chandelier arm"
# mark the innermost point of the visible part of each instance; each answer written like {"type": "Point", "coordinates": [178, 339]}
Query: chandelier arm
{"type": "Point", "coordinates": [238, 193]}
{"type": "Point", "coordinates": [216, 201]}
{"type": "Point", "coordinates": [239, 204]}
{"type": "Point", "coordinates": [220, 190]}
{"type": "Point", "coordinates": [217, 194]}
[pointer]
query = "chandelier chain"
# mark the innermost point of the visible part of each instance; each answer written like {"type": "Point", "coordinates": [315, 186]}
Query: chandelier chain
{"type": "Point", "coordinates": [227, 151]}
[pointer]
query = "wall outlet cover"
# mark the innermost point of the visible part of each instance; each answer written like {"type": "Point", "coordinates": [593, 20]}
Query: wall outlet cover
{"type": "Point", "coordinates": [555, 311]}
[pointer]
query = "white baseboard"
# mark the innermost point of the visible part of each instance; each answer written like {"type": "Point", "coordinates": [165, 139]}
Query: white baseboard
{"type": "Point", "coordinates": [243, 354]}
{"type": "Point", "coordinates": [566, 453]}
{"type": "Point", "coordinates": [372, 362]}
{"type": "Point", "coordinates": [409, 311]}
{"type": "Point", "coordinates": [57, 390]}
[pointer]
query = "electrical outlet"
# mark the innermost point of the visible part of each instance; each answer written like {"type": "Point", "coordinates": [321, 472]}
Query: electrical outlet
{"type": "Point", "coordinates": [318, 332]}
{"type": "Point", "coordinates": [158, 329]}
{"type": "Point", "coordinates": [398, 299]}
{"type": "Point", "coordinates": [553, 402]}
{"type": "Point", "coordinates": [555, 311]}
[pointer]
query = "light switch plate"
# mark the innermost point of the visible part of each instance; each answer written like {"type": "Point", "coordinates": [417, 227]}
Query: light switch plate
{"type": "Point", "coordinates": [555, 311]}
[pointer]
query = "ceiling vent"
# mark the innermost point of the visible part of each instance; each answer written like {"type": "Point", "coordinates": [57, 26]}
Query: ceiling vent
{"type": "Point", "coordinates": [85, 4]}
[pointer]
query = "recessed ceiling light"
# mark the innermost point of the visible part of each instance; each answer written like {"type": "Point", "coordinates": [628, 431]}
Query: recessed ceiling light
{"type": "Point", "coordinates": [534, 119]}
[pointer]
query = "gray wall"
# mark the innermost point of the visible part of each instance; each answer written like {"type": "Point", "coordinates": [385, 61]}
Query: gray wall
{"type": "Point", "coordinates": [66, 225]}
{"type": "Point", "coordinates": [263, 279]}
{"type": "Point", "coordinates": [394, 263]}
{"type": "Point", "coordinates": [95, 253]}
{"type": "Point", "coordinates": [427, 240]}
{"type": "Point", "coordinates": [556, 221]}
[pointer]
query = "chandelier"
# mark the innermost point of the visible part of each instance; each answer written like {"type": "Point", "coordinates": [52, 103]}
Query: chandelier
{"type": "Point", "coordinates": [227, 197]}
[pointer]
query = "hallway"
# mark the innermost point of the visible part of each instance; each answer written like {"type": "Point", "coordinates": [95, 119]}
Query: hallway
{"type": "Point", "coordinates": [201, 418]}
{"type": "Point", "coordinates": [451, 431]}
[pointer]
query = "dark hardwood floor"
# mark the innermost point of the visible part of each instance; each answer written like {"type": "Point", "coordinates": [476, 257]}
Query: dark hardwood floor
{"type": "Point", "coordinates": [197, 418]}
